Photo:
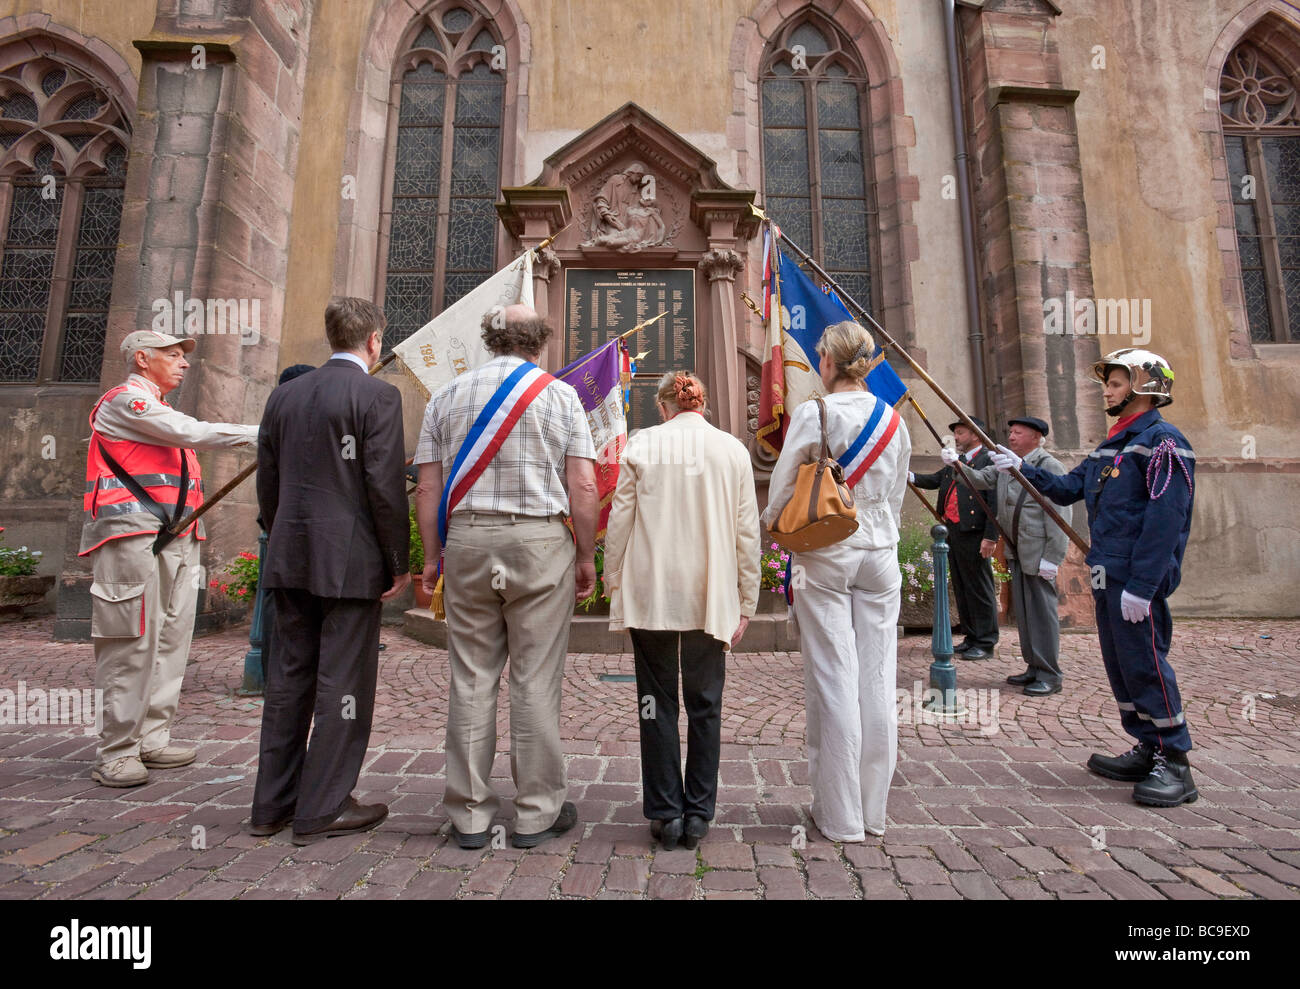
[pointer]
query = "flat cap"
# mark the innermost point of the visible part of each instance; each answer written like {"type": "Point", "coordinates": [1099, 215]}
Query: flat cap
{"type": "Point", "coordinates": [1033, 422]}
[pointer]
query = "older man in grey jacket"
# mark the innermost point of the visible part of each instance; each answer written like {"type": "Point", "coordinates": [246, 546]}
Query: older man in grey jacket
{"type": "Point", "coordinates": [1039, 547]}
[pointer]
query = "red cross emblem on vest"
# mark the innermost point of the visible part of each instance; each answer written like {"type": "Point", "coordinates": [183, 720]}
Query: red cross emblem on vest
{"type": "Point", "coordinates": [138, 406]}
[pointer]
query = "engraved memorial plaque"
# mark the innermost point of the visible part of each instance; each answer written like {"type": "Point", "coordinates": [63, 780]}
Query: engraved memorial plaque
{"type": "Point", "coordinates": [601, 303]}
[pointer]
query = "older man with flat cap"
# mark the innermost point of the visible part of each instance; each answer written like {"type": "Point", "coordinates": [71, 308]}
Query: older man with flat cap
{"type": "Point", "coordinates": [1038, 548]}
{"type": "Point", "coordinates": [142, 474]}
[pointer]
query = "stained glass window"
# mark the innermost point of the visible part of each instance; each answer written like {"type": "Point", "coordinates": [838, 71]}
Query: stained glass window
{"type": "Point", "coordinates": [1261, 125]}
{"type": "Point", "coordinates": [441, 221]}
{"type": "Point", "coordinates": [62, 172]}
{"type": "Point", "coordinates": [816, 167]}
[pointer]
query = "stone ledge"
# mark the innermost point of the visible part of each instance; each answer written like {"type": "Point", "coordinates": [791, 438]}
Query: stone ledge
{"type": "Point", "coordinates": [591, 633]}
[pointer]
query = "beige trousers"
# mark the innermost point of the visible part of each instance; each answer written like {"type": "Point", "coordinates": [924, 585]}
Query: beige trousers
{"type": "Point", "coordinates": [142, 620]}
{"type": "Point", "coordinates": [508, 591]}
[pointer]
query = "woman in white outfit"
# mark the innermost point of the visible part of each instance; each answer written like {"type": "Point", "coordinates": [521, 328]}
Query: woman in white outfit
{"type": "Point", "coordinates": [847, 602]}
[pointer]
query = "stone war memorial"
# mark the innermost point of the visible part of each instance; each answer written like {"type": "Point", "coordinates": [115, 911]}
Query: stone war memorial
{"type": "Point", "coordinates": [329, 329]}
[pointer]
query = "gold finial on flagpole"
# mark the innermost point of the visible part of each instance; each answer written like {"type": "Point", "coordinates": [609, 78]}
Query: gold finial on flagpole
{"type": "Point", "coordinates": [641, 326]}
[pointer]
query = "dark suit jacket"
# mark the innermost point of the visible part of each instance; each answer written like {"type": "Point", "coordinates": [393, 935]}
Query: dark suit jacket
{"type": "Point", "coordinates": [331, 486]}
{"type": "Point", "coordinates": [973, 517]}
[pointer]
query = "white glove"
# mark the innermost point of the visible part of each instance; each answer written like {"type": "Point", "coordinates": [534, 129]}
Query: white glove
{"type": "Point", "coordinates": [1133, 608]}
{"type": "Point", "coordinates": [911, 477]}
{"type": "Point", "coordinates": [948, 455]}
{"type": "Point", "coordinates": [1047, 570]}
{"type": "Point", "coordinates": [1005, 460]}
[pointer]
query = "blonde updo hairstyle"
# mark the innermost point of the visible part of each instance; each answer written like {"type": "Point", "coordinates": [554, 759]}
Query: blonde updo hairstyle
{"type": "Point", "coordinates": [850, 347]}
{"type": "Point", "coordinates": [682, 391]}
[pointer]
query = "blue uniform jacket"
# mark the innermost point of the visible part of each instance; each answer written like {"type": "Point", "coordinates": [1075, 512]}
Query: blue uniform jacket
{"type": "Point", "coordinates": [1139, 539]}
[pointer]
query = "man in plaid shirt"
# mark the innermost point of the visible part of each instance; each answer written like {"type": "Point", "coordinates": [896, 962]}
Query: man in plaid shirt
{"type": "Point", "coordinates": [511, 573]}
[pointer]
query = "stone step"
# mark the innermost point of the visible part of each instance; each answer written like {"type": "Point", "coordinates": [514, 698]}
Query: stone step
{"type": "Point", "coordinates": [767, 632]}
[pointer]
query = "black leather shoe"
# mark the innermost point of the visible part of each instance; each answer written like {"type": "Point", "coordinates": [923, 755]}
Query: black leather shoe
{"type": "Point", "coordinates": [1041, 688]}
{"type": "Point", "coordinates": [975, 652]}
{"type": "Point", "coordinates": [567, 819]}
{"type": "Point", "coordinates": [1020, 679]}
{"type": "Point", "coordinates": [696, 829]}
{"type": "Point", "coordinates": [469, 841]}
{"type": "Point", "coordinates": [1131, 767]}
{"type": "Point", "coordinates": [353, 819]}
{"type": "Point", "coordinates": [275, 827]}
{"type": "Point", "coordinates": [668, 832]}
{"type": "Point", "coordinates": [965, 644]}
{"type": "Point", "coordinates": [1169, 784]}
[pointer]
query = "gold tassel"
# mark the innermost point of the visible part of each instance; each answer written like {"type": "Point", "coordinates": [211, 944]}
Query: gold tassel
{"type": "Point", "coordinates": [436, 604]}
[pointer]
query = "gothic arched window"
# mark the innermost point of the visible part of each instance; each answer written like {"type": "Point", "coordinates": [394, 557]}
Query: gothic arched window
{"type": "Point", "coordinates": [817, 178]}
{"type": "Point", "coordinates": [63, 143]}
{"type": "Point", "coordinates": [1261, 135]}
{"type": "Point", "coordinates": [439, 223]}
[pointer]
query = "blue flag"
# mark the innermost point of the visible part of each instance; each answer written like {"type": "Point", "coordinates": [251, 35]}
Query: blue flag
{"type": "Point", "coordinates": [810, 311]}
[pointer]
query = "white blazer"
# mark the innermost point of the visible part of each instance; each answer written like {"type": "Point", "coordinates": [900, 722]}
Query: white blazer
{"type": "Point", "coordinates": [681, 548]}
{"type": "Point", "coordinates": [878, 496]}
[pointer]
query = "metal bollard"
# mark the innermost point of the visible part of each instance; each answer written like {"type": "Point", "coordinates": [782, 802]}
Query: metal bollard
{"type": "Point", "coordinates": [942, 700]}
{"type": "Point", "coordinates": [254, 680]}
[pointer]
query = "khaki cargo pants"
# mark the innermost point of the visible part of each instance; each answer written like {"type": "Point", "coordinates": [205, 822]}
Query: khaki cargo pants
{"type": "Point", "coordinates": [142, 620]}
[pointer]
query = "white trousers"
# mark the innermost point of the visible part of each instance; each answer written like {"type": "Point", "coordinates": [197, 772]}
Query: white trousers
{"type": "Point", "coordinates": [848, 633]}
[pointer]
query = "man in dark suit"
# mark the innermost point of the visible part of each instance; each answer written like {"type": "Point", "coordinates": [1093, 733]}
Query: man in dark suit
{"type": "Point", "coordinates": [973, 536]}
{"type": "Point", "coordinates": [331, 492]}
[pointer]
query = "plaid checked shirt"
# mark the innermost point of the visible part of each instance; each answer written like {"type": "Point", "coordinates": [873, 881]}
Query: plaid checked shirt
{"type": "Point", "coordinates": [526, 477]}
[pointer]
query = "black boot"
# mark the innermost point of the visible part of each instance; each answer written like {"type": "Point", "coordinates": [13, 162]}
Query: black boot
{"type": "Point", "coordinates": [1131, 767]}
{"type": "Point", "coordinates": [1169, 784]}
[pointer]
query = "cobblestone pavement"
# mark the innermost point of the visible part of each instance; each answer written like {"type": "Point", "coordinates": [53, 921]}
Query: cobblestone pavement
{"type": "Point", "coordinates": [995, 806]}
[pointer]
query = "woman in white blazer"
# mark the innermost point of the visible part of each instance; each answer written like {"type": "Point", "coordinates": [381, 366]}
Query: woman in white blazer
{"type": "Point", "coordinates": [681, 569]}
{"type": "Point", "coordinates": [846, 598]}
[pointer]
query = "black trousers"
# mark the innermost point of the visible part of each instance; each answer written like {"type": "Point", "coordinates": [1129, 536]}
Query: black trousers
{"type": "Point", "coordinates": [665, 794]}
{"type": "Point", "coordinates": [325, 664]}
{"type": "Point", "coordinates": [972, 583]}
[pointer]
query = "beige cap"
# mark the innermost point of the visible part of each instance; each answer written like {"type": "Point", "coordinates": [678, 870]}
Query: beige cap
{"type": "Point", "coordinates": [141, 339]}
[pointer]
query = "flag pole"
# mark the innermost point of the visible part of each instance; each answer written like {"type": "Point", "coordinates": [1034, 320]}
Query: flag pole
{"type": "Point", "coordinates": [964, 475]}
{"type": "Point", "coordinates": [924, 375]}
{"type": "Point", "coordinates": [924, 501]}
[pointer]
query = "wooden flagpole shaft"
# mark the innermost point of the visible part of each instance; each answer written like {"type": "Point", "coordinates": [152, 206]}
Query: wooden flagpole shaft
{"type": "Point", "coordinates": [962, 471]}
{"type": "Point", "coordinates": [924, 375]}
{"type": "Point", "coordinates": [924, 501]}
{"type": "Point", "coordinates": [185, 523]}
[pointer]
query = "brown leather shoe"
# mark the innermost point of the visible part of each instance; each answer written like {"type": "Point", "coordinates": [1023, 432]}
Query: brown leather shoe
{"type": "Point", "coordinates": [353, 819]}
{"type": "Point", "coordinates": [275, 827]}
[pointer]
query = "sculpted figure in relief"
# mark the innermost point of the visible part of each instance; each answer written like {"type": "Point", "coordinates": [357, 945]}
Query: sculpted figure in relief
{"type": "Point", "coordinates": [624, 215]}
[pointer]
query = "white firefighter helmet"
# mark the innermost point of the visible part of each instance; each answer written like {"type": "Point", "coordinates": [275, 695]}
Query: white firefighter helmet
{"type": "Point", "coordinates": [1149, 373]}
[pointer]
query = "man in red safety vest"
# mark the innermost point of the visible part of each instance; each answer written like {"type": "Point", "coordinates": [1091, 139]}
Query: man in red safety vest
{"type": "Point", "coordinates": [142, 474]}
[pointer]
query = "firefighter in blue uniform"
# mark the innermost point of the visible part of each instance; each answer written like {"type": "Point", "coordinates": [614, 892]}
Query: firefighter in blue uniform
{"type": "Point", "coordinates": [1137, 486]}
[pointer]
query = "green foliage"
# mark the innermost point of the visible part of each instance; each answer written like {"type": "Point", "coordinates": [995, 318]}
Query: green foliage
{"type": "Point", "coordinates": [417, 547]}
{"type": "Point", "coordinates": [915, 561]}
{"type": "Point", "coordinates": [589, 602]}
{"type": "Point", "coordinates": [20, 562]}
{"type": "Point", "coordinates": [240, 582]}
{"type": "Point", "coordinates": [917, 564]}
{"type": "Point", "coordinates": [771, 568]}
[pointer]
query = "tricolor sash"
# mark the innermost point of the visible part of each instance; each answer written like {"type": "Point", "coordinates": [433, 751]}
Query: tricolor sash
{"type": "Point", "coordinates": [489, 431]}
{"type": "Point", "coordinates": [871, 442]}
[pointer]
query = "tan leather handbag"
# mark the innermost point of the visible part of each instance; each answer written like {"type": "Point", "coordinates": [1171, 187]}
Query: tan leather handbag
{"type": "Point", "coordinates": [821, 510]}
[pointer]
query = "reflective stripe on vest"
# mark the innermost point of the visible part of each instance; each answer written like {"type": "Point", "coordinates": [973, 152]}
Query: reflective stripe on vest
{"type": "Point", "coordinates": [146, 481]}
